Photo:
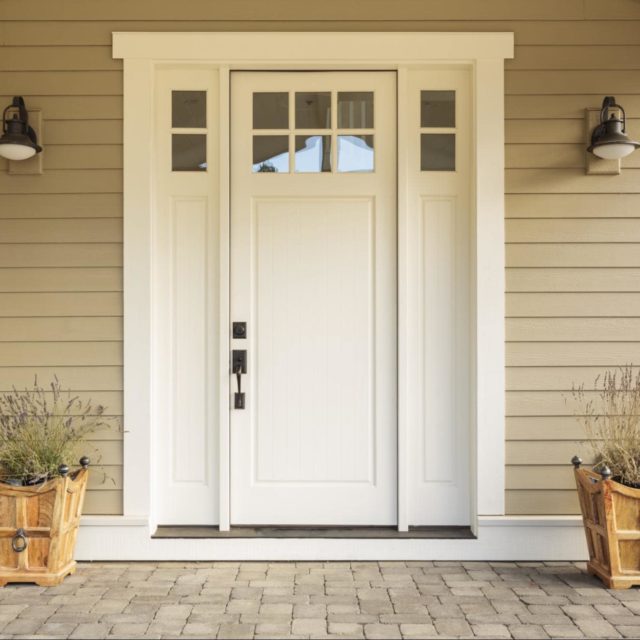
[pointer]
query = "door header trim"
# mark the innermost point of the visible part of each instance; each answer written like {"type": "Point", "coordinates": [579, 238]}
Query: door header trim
{"type": "Point", "coordinates": [304, 50]}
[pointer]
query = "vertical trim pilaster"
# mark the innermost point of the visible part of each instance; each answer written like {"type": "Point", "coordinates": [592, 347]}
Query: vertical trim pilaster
{"type": "Point", "coordinates": [405, 328]}
{"type": "Point", "coordinates": [224, 473]}
{"type": "Point", "coordinates": [137, 259]}
{"type": "Point", "coordinates": [490, 286]}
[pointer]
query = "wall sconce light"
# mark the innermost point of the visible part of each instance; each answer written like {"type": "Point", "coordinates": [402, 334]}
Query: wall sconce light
{"type": "Point", "coordinates": [19, 140]}
{"type": "Point", "coordinates": [609, 140]}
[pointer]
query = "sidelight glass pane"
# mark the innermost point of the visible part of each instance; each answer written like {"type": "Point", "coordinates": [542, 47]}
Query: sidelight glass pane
{"type": "Point", "coordinates": [271, 110]}
{"type": "Point", "coordinates": [438, 152]}
{"type": "Point", "coordinates": [438, 108]}
{"type": "Point", "coordinates": [313, 154]}
{"type": "Point", "coordinates": [355, 154]}
{"type": "Point", "coordinates": [188, 152]}
{"type": "Point", "coordinates": [313, 110]}
{"type": "Point", "coordinates": [355, 109]}
{"type": "Point", "coordinates": [270, 154]}
{"type": "Point", "coordinates": [189, 109]}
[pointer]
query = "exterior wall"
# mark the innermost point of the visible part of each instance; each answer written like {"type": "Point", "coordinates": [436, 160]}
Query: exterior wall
{"type": "Point", "coordinates": [573, 291]}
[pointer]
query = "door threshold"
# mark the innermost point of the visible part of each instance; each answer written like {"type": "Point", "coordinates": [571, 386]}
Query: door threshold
{"type": "Point", "coordinates": [391, 533]}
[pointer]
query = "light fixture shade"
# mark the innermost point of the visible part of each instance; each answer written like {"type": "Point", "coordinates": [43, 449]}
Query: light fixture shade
{"type": "Point", "coordinates": [609, 139]}
{"type": "Point", "coordinates": [18, 141]}
{"type": "Point", "coordinates": [614, 151]}
{"type": "Point", "coordinates": [13, 151]}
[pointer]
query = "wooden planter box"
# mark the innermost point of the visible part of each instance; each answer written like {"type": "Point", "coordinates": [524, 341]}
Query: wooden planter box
{"type": "Point", "coordinates": [611, 516]}
{"type": "Point", "coordinates": [38, 529]}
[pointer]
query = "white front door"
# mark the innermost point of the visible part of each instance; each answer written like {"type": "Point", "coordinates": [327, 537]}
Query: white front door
{"type": "Point", "coordinates": [313, 276]}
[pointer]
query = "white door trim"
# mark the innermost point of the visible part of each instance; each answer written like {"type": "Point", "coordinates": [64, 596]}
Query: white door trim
{"type": "Point", "coordinates": [484, 54]}
{"type": "Point", "coordinates": [302, 50]}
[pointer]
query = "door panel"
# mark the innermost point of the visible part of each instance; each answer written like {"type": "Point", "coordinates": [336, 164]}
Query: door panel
{"type": "Point", "coordinates": [313, 264]}
{"type": "Point", "coordinates": [312, 272]}
{"type": "Point", "coordinates": [186, 298]}
{"type": "Point", "coordinates": [440, 295]}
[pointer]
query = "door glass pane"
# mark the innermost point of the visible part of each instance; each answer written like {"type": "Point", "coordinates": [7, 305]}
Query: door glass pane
{"type": "Point", "coordinates": [189, 109]}
{"type": "Point", "coordinates": [438, 108]}
{"type": "Point", "coordinates": [438, 152]}
{"type": "Point", "coordinates": [355, 109]}
{"type": "Point", "coordinates": [313, 110]}
{"type": "Point", "coordinates": [271, 110]}
{"type": "Point", "coordinates": [270, 154]}
{"type": "Point", "coordinates": [355, 153]}
{"type": "Point", "coordinates": [188, 152]}
{"type": "Point", "coordinates": [313, 154]}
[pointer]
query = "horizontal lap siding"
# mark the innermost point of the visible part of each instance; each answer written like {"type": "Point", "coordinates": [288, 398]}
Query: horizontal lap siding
{"type": "Point", "coordinates": [61, 242]}
{"type": "Point", "coordinates": [573, 241]}
{"type": "Point", "coordinates": [573, 254]}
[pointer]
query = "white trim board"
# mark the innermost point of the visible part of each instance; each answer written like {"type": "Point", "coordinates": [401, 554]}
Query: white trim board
{"type": "Point", "coordinates": [483, 54]}
{"type": "Point", "coordinates": [301, 49]}
{"type": "Point", "coordinates": [508, 539]}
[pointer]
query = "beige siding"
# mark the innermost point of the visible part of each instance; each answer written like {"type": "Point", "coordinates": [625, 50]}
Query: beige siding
{"type": "Point", "coordinates": [573, 241]}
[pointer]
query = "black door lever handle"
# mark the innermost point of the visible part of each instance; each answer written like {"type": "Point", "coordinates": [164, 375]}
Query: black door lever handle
{"type": "Point", "coordinates": [239, 378]}
{"type": "Point", "coordinates": [239, 363]}
{"type": "Point", "coordinates": [238, 396]}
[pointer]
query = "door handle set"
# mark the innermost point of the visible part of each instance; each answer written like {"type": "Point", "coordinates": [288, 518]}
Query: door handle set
{"type": "Point", "coordinates": [239, 363]}
{"type": "Point", "coordinates": [238, 367]}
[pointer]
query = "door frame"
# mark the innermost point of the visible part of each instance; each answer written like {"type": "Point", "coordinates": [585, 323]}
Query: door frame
{"type": "Point", "coordinates": [483, 54]}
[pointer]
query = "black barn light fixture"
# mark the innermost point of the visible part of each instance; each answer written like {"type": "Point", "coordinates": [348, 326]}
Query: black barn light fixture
{"type": "Point", "coordinates": [609, 139]}
{"type": "Point", "coordinates": [19, 140]}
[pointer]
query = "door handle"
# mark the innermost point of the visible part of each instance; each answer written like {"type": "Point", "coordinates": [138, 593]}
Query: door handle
{"type": "Point", "coordinates": [239, 366]}
{"type": "Point", "coordinates": [238, 396]}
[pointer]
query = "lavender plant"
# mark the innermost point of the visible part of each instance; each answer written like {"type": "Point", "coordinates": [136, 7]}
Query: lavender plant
{"type": "Point", "coordinates": [612, 422]}
{"type": "Point", "coordinates": [42, 428]}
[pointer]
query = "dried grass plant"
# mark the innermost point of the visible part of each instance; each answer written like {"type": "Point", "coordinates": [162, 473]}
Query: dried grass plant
{"type": "Point", "coordinates": [612, 422]}
{"type": "Point", "coordinates": [42, 428]}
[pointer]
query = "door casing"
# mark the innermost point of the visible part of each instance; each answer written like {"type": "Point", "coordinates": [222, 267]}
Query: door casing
{"type": "Point", "coordinates": [146, 54]}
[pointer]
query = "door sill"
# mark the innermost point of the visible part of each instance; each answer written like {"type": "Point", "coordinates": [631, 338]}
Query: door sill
{"type": "Point", "coordinates": [391, 533]}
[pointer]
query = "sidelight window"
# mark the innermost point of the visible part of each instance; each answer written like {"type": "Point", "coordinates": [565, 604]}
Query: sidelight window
{"type": "Point", "coordinates": [437, 130]}
{"type": "Point", "coordinates": [188, 130]}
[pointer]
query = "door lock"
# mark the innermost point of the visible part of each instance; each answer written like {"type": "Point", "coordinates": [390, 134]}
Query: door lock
{"type": "Point", "coordinates": [239, 330]}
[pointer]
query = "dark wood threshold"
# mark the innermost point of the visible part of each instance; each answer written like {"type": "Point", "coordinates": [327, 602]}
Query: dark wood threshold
{"type": "Point", "coordinates": [384, 533]}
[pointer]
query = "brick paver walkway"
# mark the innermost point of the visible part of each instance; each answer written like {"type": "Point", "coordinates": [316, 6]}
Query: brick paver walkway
{"type": "Point", "coordinates": [322, 600]}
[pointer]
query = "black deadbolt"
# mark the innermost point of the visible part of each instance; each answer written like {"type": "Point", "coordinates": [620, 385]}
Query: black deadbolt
{"type": "Point", "coordinates": [239, 330]}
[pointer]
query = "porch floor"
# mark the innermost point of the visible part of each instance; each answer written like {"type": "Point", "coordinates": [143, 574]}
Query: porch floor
{"type": "Point", "coordinates": [322, 600]}
{"type": "Point", "coordinates": [314, 532]}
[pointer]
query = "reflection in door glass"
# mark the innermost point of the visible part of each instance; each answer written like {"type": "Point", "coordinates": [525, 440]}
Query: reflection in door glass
{"type": "Point", "coordinates": [438, 152]}
{"type": "Point", "coordinates": [313, 110]}
{"type": "Point", "coordinates": [438, 108]}
{"type": "Point", "coordinates": [271, 110]}
{"type": "Point", "coordinates": [355, 109]}
{"type": "Point", "coordinates": [189, 109]}
{"type": "Point", "coordinates": [189, 152]}
{"type": "Point", "coordinates": [313, 154]}
{"type": "Point", "coordinates": [270, 154]}
{"type": "Point", "coordinates": [355, 154]}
